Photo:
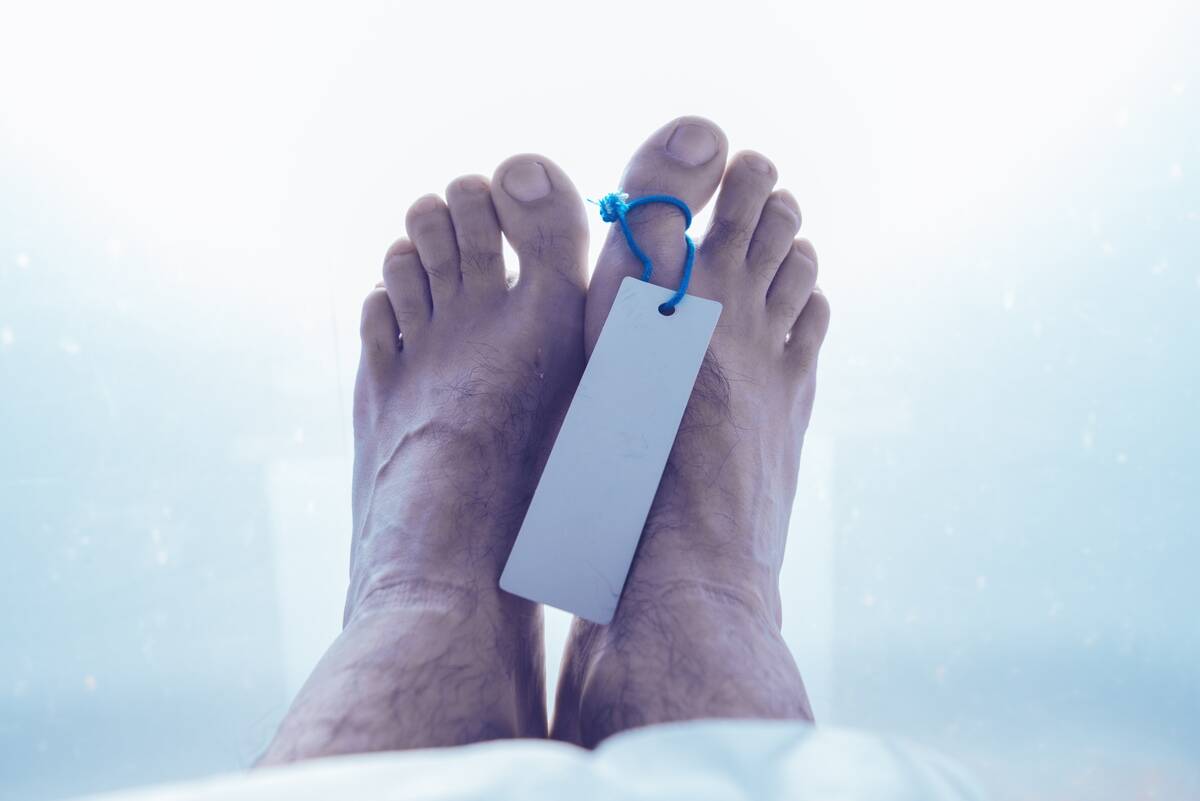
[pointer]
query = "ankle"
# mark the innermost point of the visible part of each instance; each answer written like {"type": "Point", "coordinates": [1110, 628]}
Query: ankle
{"type": "Point", "coordinates": [712, 589]}
{"type": "Point", "coordinates": [695, 651]}
{"type": "Point", "coordinates": [383, 598]}
{"type": "Point", "coordinates": [695, 614]}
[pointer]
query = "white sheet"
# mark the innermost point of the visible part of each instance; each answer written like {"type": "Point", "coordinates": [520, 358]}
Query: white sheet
{"type": "Point", "coordinates": [699, 761]}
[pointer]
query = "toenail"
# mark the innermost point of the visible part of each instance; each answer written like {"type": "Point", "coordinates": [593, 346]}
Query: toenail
{"type": "Point", "coordinates": [692, 144]}
{"type": "Point", "coordinates": [787, 208]}
{"type": "Point", "coordinates": [471, 183]}
{"type": "Point", "coordinates": [527, 181]}
{"type": "Point", "coordinates": [757, 163]}
{"type": "Point", "coordinates": [426, 204]}
{"type": "Point", "coordinates": [399, 248]}
{"type": "Point", "coordinates": [806, 250]}
{"type": "Point", "coordinates": [789, 200]}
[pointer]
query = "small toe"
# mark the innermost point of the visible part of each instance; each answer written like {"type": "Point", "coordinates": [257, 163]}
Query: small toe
{"type": "Point", "coordinates": [431, 230]}
{"type": "Point", "coordinates": [378, 330]}
{"type": "Point", "coordinates": [791, 287]}
{"type": "Point", "coordinates": [744, 191]}
{"type": "Point", "coordinates": [542, 216]}
{"type": "Point", "coordinates": [772, 240]}
{"type": "Point", "coordinates": [477, 231]}
{"type": "Point", "coordinates": [808, 333]}
{"type": "Point", "coordinates": [407, 288]}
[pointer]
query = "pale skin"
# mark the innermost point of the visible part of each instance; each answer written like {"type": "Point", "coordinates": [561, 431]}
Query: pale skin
{"type": "Point", "coordinates": [462, 385]}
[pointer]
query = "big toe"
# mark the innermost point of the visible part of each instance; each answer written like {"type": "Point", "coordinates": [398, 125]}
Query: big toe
{"type": "Point", "coordinates": [543, 219]}
{"type": "Point", "coordinates": [685, 158]}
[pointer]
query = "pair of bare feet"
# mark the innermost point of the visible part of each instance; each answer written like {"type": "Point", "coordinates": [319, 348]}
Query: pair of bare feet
{"type": "Point", "coordinates": [463, 382]}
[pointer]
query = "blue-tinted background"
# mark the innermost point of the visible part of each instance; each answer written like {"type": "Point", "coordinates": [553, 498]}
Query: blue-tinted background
{"type": "Point", "coordinates": [995, 543]}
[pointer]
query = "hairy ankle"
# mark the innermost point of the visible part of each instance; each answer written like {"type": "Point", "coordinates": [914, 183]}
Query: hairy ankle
{"type": "Point", "coordinates": [382, 596]}
{"type": "Point", "coordinates": [678, 649]}
{"type": "Point", "coordinates": [383, 683]}
{"type": "Point", "coordinates": [460, 600]}
{"type": "Point", "coordinates": [704, 582]}
{"type": "Point", "coordinates": [664, 669]}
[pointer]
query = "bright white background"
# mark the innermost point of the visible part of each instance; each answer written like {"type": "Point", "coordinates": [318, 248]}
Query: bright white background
{"type": "Point", "coordinates": [994, 545]}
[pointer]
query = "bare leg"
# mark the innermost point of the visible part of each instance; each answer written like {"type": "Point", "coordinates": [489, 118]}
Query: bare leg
{"type": "Point", "coordinates": [697, 633]}
{"type": "Point", "coordinates": [451, 432]}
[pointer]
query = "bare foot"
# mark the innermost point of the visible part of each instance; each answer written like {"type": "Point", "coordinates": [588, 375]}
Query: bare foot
{"type": "Point", "coordinates": [462, 385]}
{"type": "Point", "coordinates": [697, 632]}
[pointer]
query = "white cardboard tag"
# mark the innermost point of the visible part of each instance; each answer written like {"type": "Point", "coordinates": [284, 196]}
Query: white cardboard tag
{"type": "Point", "coordinates": [586, 517]}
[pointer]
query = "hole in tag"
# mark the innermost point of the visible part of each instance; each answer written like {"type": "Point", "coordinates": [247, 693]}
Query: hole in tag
{"type": "Point", "coordinates": [665, 310]}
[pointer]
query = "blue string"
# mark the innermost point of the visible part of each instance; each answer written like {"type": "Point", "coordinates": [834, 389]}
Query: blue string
{"type": "Point", "coordinates": [616, 205]}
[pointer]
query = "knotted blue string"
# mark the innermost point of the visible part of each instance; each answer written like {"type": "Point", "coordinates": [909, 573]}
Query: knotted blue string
{"type": "Point", "coordinates": [613, 208]}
